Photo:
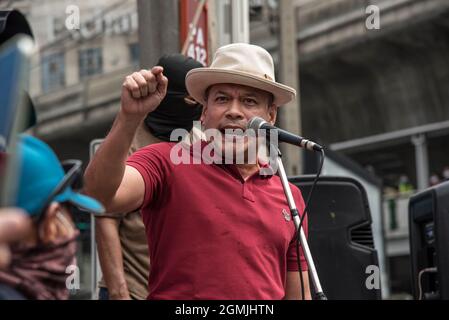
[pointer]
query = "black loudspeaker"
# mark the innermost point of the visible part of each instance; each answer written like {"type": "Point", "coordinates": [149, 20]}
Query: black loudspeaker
{"type": "Point", "coordinates": [340, 237]}
{"type": "Point", "coordinates": [429, 242]}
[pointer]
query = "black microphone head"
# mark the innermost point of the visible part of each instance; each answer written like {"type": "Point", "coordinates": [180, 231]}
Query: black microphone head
{"type": "Point", "coordinates": [255, 123]}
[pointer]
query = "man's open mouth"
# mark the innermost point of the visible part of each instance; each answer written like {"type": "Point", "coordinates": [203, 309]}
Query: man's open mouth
{"type": "Point", "coordinates": [232, 131]}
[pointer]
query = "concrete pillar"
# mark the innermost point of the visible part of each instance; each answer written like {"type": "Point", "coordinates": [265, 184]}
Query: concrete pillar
{"type": "Point", "coordinates": [158, 29]}
{"type": "Point", "coordinates": [240, 21]}
{"type": "Point", "coordinates": [288, 63]}
{"type": "Point", "coordinates": [232, 21]}
{"type": "Point", "coordinates": [421, 160]}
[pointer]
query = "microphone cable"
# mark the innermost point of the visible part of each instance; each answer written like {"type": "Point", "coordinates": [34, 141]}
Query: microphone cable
{"type": "Point", "coordinates": [303, 216]}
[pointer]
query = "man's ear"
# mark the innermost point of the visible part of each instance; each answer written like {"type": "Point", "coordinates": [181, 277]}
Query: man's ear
{"type": "Point", "coordinates": [272, 113]}
{"type": "Point", "coordinates": [203, 113]}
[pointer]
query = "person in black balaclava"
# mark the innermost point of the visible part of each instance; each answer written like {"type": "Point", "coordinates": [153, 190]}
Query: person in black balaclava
{"type": "Point", "coordinates": [178, 109]}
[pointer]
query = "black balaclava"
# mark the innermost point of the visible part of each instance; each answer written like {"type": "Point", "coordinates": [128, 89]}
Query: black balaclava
{"type": "Point", "coordinates": [174, 112]}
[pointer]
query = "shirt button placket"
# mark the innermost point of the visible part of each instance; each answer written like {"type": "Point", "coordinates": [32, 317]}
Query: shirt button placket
{"type": "Point", "coordinates": [248, 191]}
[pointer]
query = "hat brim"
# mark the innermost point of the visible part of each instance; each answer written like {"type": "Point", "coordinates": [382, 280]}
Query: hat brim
{"type": "Point", "coordinates": [199, 79]}
{"type": "Point", "coordinates": [83, 202]}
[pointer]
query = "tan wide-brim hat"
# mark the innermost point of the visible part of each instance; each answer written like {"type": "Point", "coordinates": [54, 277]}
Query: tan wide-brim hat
{"type": "Point", "coordinates": [239, 63]}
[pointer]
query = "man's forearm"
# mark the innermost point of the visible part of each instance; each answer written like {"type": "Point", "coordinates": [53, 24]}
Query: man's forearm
{"type": "Point", "coordinates": [105, 171]}
{"type": "Point", "coordinates": [293, 286]}
{"type": "Point", "coordinates": [142, 92]}
{"type": "Point", "coordinates": [111, 258]}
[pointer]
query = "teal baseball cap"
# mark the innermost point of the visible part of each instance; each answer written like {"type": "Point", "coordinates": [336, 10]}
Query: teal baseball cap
{"type": "Point", "coordinates": [42, 179]}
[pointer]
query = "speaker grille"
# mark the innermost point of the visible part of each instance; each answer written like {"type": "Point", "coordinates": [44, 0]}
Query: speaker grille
{"type": "Point", "coordinates": [363, 236]}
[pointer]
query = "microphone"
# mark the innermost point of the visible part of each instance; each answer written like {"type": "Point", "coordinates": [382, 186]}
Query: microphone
{"type": "Point", "coordinates": [257, 123]}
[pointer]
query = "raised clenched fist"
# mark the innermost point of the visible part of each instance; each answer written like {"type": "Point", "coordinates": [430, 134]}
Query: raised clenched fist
{"type": "Point", "coordinates": [143, 91]}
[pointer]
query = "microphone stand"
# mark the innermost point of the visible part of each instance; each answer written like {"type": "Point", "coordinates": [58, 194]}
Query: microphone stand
{"type": "Point", "coordinates": [297, 220]}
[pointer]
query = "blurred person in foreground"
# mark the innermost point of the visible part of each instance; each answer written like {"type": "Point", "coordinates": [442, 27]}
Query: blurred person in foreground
{"type": "Point", "coordinates": [39, 259]}
{"type": "Point", "coordinates": [121, 239]}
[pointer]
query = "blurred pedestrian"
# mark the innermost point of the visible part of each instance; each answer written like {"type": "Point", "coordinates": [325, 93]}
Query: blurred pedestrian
{"type": "Point", "coordinates": [404, 185]}
{"type": "Point", "coordinates": [434, 179]}
{"type": "Point", "coordinates": [446, 173]}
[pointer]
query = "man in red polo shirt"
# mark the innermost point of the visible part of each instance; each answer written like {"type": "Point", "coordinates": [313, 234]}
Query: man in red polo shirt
{"type": "Point", "coordinates": [215, 230]}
